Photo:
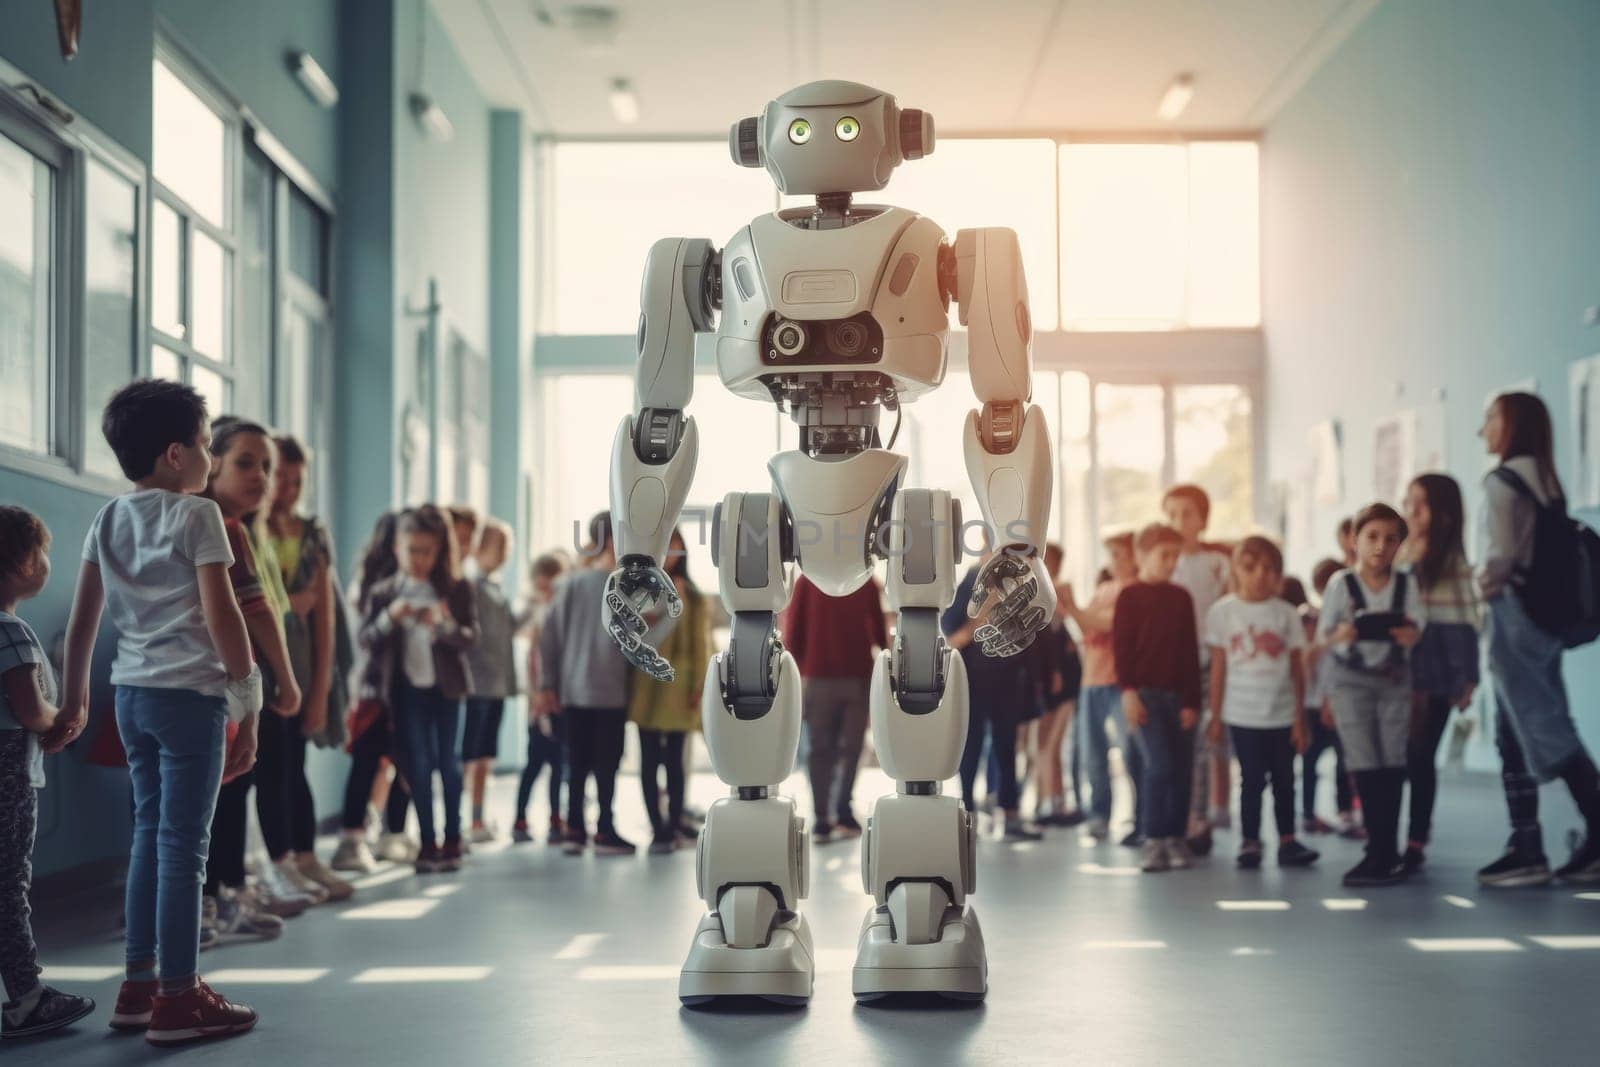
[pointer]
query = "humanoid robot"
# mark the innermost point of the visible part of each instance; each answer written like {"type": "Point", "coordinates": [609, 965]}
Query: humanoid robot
{"type": "Point", "coordinates": [835, 312]}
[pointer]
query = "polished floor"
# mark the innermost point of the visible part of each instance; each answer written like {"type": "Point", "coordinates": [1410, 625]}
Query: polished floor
{"type": "Point", "coordinates": [528, 956]}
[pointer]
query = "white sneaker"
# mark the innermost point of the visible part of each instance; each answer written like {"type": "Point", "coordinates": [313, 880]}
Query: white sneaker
{"type": "Point", "coordinates": [355, 856]}
{"type": "Point", "coordinates": [1178, 855]}
{"type": "Point", "coordinates": [397, 848]}
{"type": "Point", "coordinates": [482, 833]}
{"type": "Point", "coordinates": [1154, 857]}
{"type": "Point", "coordinates": [315, 871]}
{"type": "Point", "coordinates": [238, 918]}
{"type": "Point", "coordinates": [281, 894]}
{"type": "Point", "coordinates": [291, 874]}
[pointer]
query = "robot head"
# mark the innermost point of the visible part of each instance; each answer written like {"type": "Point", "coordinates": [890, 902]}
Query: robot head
{"type": "Point", "coordinates": [831, 137]}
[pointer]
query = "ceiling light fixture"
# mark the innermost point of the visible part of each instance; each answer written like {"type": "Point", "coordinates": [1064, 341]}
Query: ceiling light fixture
{"type": "Point", "coordinates": [1176, 99]}
{"type": "Point", "coordinates": [313, 79]}
{"type": "Point", "coordinates": [624, 101]}
{"type": "Point", "coordinates": [431, 117]}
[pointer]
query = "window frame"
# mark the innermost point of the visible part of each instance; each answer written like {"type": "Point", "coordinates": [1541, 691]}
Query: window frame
{"type": "Point", "coordinates": [189, 220]}
{"type": "Point", "coordinates": [28, 122]}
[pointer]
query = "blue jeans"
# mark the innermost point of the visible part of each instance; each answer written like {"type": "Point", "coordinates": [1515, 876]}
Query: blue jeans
{"type": "Point", "coordinates": [1100, 713]}
{"type": "Point", "coordinates": [175, 740]}
{"type": "Point", "coordinates": [1168, 751]}
{"type": "Point", "coordinates": [428, 724]}
{"type": "Point", "coordinates": [1528, 689]}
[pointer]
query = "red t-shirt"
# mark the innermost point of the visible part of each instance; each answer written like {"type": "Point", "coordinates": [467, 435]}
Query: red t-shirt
{"type": "Point", "coordinates": [1155, 643]}
{"type": "Point", "coordinates": [834, 637]}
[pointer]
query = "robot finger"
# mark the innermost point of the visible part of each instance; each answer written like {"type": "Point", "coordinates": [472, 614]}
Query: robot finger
{"type": "Point", "coordinates": [620, 611]}
{"type": "Point", "coordinates": [628, 642]}
{"type": "Point", "coordinates": [979, 597]}
{"type": "Point", "coordinates": [674, 602]}
{"type": "Point", "coordinates": [986, 633]}
{"type": "Point", "coordinates": [651, 662]}
{"type": "Point", "coordinates": [1013, 603]}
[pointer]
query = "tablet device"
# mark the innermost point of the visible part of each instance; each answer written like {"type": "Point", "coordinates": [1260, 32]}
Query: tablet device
{"type": "Point", "coordinates": [1375, 625]}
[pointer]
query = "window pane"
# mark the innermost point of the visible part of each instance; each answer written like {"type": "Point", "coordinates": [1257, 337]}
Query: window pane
{"type": "Point", "coordinates": [1078, 540]}
{"type": "Point", "coordinates": [166, 269]}
{"type": "Point", "coordinates": [190, 146]}
{"type": "Point", "coordinates": [26, 201]}
{"type": "Point", "coordinates": [1211, 442]}
{"type": "Point", "coordinates": [932, 440]}
{"type": "Point", "coordinates": [299, 351]}
{"type": "Point", "coordinates": [164, 363]}
{"type": "Point", "coordinates": [611, 203]}
{"type": "Point", "coordinates": [111, 339]}
{"type": "Point", "coordinates": [1128, 421]}
{"type": "Point", "coordinates": [737, 438]}
{"type": "Point", "coordinates": [208, 295]}
{"type": "Point", "coordinates": [987, 182]}
{"type": "Point", "coordinates": [578, 450]}
{"type": "Point", "coordinates": [308, 241]}
{"type": "Point", "coordinates": [1224, 234]}
{"type": "Point", "coordinates": [209, 384]}
{"type": "Point", "coordinates": [252, 329]}
{"type": "Point", "coordinates": [1124, 211]}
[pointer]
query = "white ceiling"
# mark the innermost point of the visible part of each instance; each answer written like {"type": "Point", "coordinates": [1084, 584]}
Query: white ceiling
{"type": "Point", "coordinates": [996, 66]}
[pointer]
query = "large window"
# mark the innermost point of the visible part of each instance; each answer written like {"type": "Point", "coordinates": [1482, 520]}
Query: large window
{"type": "Point", "coordinates": [193, 242]}
{"type": "Point", "coordinates": [1160, 236]}
{"type": "Point", "coordinates": [28, 295]}
{"type": "Point", "coordinates": [70, 329]}
{"type": "Point", "coordinates": [611, 202]}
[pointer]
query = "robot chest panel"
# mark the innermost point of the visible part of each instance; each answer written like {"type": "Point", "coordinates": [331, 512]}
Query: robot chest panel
{"type": "Point", "coordinates": [866, 296]}
{"type": "Point", "coordinates": [821, 274]}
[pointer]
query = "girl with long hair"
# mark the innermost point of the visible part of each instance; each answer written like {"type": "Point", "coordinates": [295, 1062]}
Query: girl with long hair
{"type": "Point", "coordinates": [1534, 731]}
{"type": "Point", "coordinates": [303, 553]}
{"type": "Point", "coordinates": [419, 623]}
{"type": "Point", "coordinates": [1444, 664]}
{"type": "Point", "coordinates": [240, 482]}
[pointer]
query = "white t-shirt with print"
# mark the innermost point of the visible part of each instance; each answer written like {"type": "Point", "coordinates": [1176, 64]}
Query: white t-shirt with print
{"type": "Point", "coordinates": [1257, 638]}
{"type": "Point", "coordinates": [148, 544]}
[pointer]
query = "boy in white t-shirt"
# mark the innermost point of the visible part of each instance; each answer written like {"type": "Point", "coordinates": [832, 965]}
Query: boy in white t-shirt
{"type": "Point", "coordinates": [1203, 574]}
{"type": "Point", "coordinates": [1258, 687]}
{"type": "Point", "coordinates": [156, 560]}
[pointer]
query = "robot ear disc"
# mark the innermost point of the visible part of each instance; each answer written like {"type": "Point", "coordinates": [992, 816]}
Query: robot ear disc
{"type": "Point", "coordinates": [744, 142]}
{"type": "Point", "coordinates": [916, 133]}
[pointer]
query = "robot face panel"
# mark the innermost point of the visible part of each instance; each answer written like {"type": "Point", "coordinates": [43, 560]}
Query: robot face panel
{"type": "Point", "coordinates": [831, 137]}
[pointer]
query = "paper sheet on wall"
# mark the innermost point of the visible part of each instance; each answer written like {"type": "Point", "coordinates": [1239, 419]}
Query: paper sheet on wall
{"type": "Point", "coordinates": [1393, 441]}
{"type": "Point", "coordinates": [1327, 466]}
{"type": "Point", "coordinates": [1583, 380]}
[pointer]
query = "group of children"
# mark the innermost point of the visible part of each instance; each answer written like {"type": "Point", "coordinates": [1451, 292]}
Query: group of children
{"type": "Point", "coordinates": [1196, 656]}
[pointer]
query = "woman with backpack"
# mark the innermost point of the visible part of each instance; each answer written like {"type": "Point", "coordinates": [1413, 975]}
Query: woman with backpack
{"type": "Point", "coordinates": [1526, 534]}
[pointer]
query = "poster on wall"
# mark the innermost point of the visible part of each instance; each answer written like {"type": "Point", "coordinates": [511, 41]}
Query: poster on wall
{"type": "Point", "coordinates": [1327, 466]}
{"type": "Point", "coordinates": [1406, 444]}
{"type": "Point", "coordinates": [1583, 381]}
{"type": "Point", "coordinates": [1392, 441]}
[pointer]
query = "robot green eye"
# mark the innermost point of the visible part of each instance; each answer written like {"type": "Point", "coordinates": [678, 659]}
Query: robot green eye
{"type": "Point", "coordinates": [847, 128]}
{"type": "Point", "coordinates": [799, 131]}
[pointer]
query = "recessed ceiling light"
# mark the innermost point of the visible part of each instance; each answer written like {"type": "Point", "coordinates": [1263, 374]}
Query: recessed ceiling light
{"type": "Point", "coordinates": [1176, 99]}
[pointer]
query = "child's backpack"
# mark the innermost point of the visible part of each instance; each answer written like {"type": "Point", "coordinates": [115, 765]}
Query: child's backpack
{"type": "Point", "coordinates": [1358, 603]}
{"type": "Point", "coordinates": [1560, 589]}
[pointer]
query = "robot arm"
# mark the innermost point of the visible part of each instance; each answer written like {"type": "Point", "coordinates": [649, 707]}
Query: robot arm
{"type": "Point", "coordinates": [654, 451]}
{"type": "Point", "coordinates": [1006, 443]}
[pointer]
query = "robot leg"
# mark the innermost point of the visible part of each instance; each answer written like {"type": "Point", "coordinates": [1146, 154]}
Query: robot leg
{"type": "Point", "coordinates": [753, 862]}
{"type": "Point", "coordinates": [918, 856]}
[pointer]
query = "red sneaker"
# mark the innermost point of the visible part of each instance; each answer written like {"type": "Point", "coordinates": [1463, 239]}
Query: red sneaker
{"type": "Point", "coordinates": [134, 1003]}
{"type": "Point", "coordinates": [196, 1015]}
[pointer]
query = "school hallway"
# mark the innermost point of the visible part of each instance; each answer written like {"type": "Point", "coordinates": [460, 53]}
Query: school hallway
{"type": "Point", "coordinates": [1090, 962]}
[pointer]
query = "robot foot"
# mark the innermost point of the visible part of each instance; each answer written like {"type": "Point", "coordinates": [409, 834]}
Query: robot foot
{"type": "Point", "coordinates": [954, 966]}
{"type": "Point", "coordinates": [779, 972]}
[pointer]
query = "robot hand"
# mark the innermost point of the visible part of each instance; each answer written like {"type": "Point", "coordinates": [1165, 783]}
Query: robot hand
{"type": "Point", "coordinates": [636, 586]}
{"type": "Point", "coordinates": [1023, 603]}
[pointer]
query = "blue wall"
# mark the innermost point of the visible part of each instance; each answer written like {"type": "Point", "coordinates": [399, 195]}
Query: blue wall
{"type": "Point", "coordinates": [1431, 220]}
